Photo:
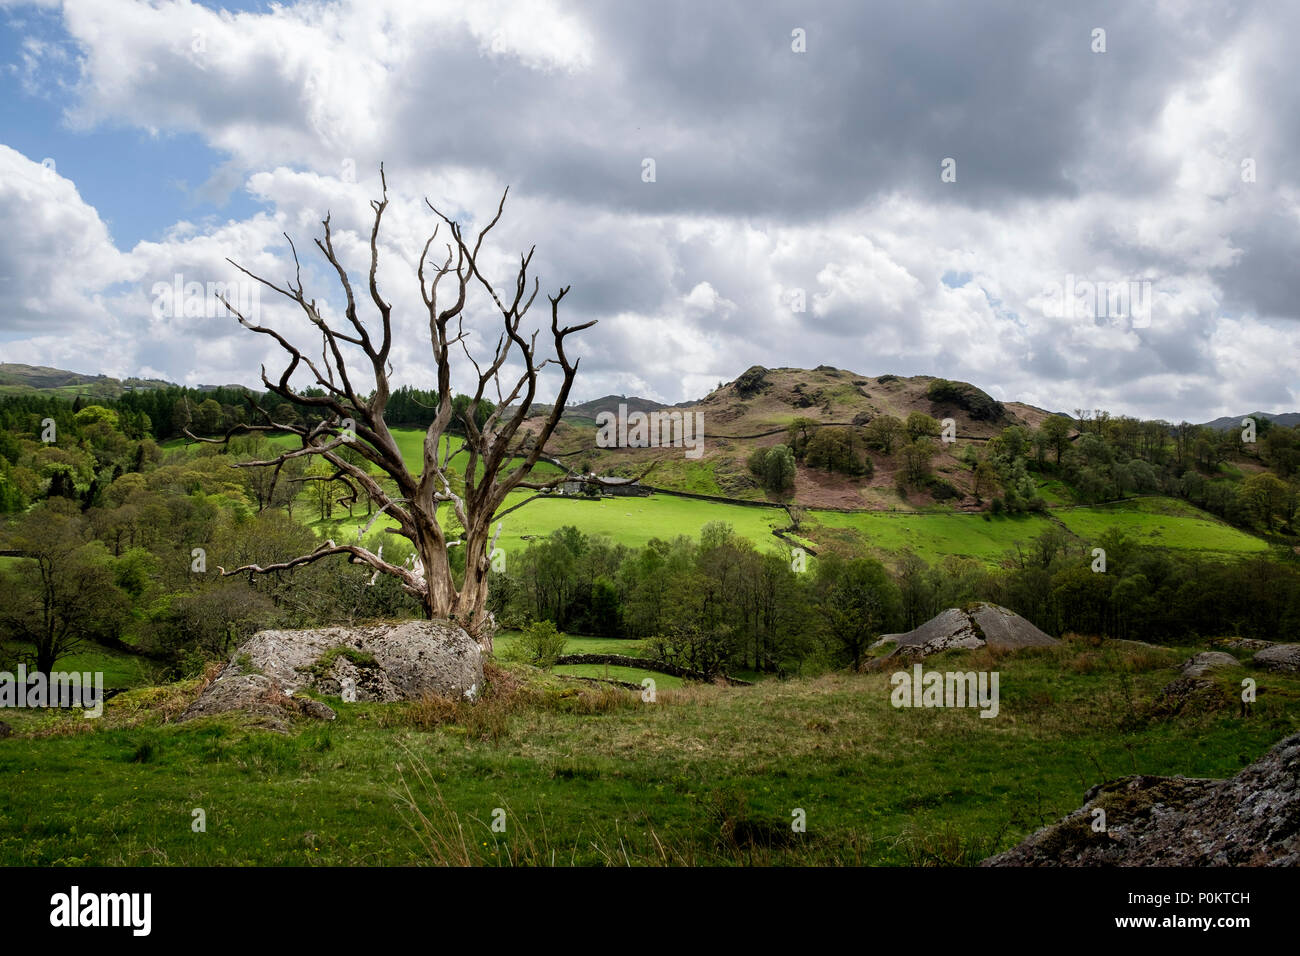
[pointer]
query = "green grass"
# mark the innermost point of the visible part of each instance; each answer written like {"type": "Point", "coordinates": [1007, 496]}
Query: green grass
{"type": "Point", "coordinates": [936, 535]}
{"type": "Point", "coordinates": [119, 669]}
{"type": "Point", "coordinates": [633, 675]}
{"type": "Point", "coordinates": [1055, 492]}
{"type": "Point", "coordinates": [597, 645]}
{"type": "Point", "coordinates": [630, 521]}
{"type": "Point", "coordinates": [683, 474]}
{"type": "Point", "coordinates": [1163, 522]}
{"type": "Point", "coordinates": [703, 775]}
{"type": "Point", "coordinates": [634, 521]}
{"type": "Point", "coordinates": [932, 535]}
{"type": "Point", "coordinates": [576, 644]}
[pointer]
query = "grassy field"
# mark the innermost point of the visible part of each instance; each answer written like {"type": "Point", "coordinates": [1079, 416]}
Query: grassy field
{"type": "Point", "coordinates": [634, 521]}
{"type": "Point", "coordinates": [119, 669]}
{"type": "Point", "coordinates": [704, 774]}
{"type": "Point", "coordinates": [935, 535]}
{"type": "Point", "coordinates": [932, 535]}
{"type": "Point", "coordinates": [629, 521]}
{"type": "Point", "coordinates": [1164, 522]}
{"type": "Point", "coordinates": [596, 645]}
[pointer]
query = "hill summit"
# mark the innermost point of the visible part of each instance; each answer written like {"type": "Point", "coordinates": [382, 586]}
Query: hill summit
{"type": "Point", "coordinates": [757, 409]}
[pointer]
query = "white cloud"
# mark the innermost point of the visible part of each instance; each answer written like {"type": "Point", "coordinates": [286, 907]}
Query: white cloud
{"type": "Point", "coordinates": [55, 251]}
{"type": "Point", "coordinates": [692, 277]}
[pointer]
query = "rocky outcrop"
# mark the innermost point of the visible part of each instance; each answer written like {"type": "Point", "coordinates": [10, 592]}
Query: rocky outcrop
{"type": "Point", "coordinates": [977, 625]}
{"type": "Point", "coordinates": [1187, 696]}
{"type": "Point", "coordinates": [404, 661]}
{"type": "Point", "coordinates": [1252, 819]}
{"type": "Point", "coordinates": [257, 695]}
{"type": "Point", "coordinates": [752, 381]}
{"type": "Point", "coordinates": [977, 403]}
{"type": "Point", "coordinates": [1198, 665]}
{"type": "Point", "coordinates": [1244, 644]}
{"type": "Point", "coordinates": [1279, 657]}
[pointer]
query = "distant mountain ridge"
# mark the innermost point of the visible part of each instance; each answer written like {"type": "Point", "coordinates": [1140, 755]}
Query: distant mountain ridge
{"type": "Point", "coordinates": [1285, 419]}
{"type": "Point", "coordinates": [608, 403]}
{"type": "Point", "coordinates": [16, 377]}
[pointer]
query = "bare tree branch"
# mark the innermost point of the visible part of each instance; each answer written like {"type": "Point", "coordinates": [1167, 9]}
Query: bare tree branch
{"type": "Point", "coordinates": [348, 418]}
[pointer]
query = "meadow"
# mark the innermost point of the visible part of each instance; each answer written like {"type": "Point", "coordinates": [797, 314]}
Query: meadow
{"type": "Point", "coordinates": [1163, 522]}
{"type": "Point", "coordinates": [932, 534]}
{"type": "Point", "coordinates": [704, 774]}
{"type": "Point", "coordinates": [593, 774]}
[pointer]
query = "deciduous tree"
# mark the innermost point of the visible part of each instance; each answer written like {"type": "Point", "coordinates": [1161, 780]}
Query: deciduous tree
{"type": "Point", "coordinates": [337, 411]}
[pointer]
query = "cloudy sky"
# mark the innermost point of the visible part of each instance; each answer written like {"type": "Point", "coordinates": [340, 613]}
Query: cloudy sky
{"type": "Point", "coordinates": [910, 188]}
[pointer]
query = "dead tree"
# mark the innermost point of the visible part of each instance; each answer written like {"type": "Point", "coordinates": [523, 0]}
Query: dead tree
{"type": "Point", "coordinates": [494, 465]}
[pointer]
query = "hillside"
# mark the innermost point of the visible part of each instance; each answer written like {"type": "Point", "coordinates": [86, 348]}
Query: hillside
{"type": "Point", "coordinates": [1286, 419]}
{"type": "Point", "coordinates": [16, 379]}
{"type": "Point", "coordinates": [755, 410]}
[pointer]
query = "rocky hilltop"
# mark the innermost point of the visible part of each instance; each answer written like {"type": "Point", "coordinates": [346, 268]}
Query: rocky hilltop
{"type": "Point", "coordinates": [756, 408]}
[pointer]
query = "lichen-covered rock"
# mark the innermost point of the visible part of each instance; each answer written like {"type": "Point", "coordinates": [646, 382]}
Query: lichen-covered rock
{"type": "Point", "coordinates": [1244, 644]}
{"type": "Point", "coordinates": [1280, 657]}
{"type": "Point", "coordinates": [1189, 695]}
{"type": "Point", "coordinates": [979, 625]}
{"type": "Point", "coordinates": [1198, 665]}
{"type": "Point", "coordinates": [404, 661]}
{"type": "Point", "coordinates": [255, 694]}
{"type": "Point", "coordinates": [1252, 819]}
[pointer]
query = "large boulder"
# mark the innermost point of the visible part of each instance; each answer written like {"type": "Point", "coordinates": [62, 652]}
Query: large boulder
{"type": "Point", "coordinates": [977, 625]}
{"type": "Point", "coordinates": [1280, 657]}
{"type": "Point", "coordinates": [1252, 819]}
{"type": "Point", "coordinates": [404, 661]}
{"type": "Point", "coordinates": [1198, 665]}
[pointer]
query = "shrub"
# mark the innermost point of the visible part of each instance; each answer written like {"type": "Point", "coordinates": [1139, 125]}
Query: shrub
{"type": "Point", "coordinates": [773, 467]}
{"type": "Point", "coordinates": [540, 644]}
{"type": "Point", "coordinates": [836, 449]}
{"type": "Point", "coordinates": [921, 425]}
{"type": "Point", "coordinates": [942, 490]}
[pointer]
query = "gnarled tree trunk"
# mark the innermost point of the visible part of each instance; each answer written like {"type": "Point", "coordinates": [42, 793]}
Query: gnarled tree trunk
{"type": "Point", "coordinates": [494, 464]}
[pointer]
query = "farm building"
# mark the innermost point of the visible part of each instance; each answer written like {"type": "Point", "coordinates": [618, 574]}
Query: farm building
{"type": "Point", "coordinates": [623, 487]}
{"type": "Point", "coordinates": [620, 487]}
